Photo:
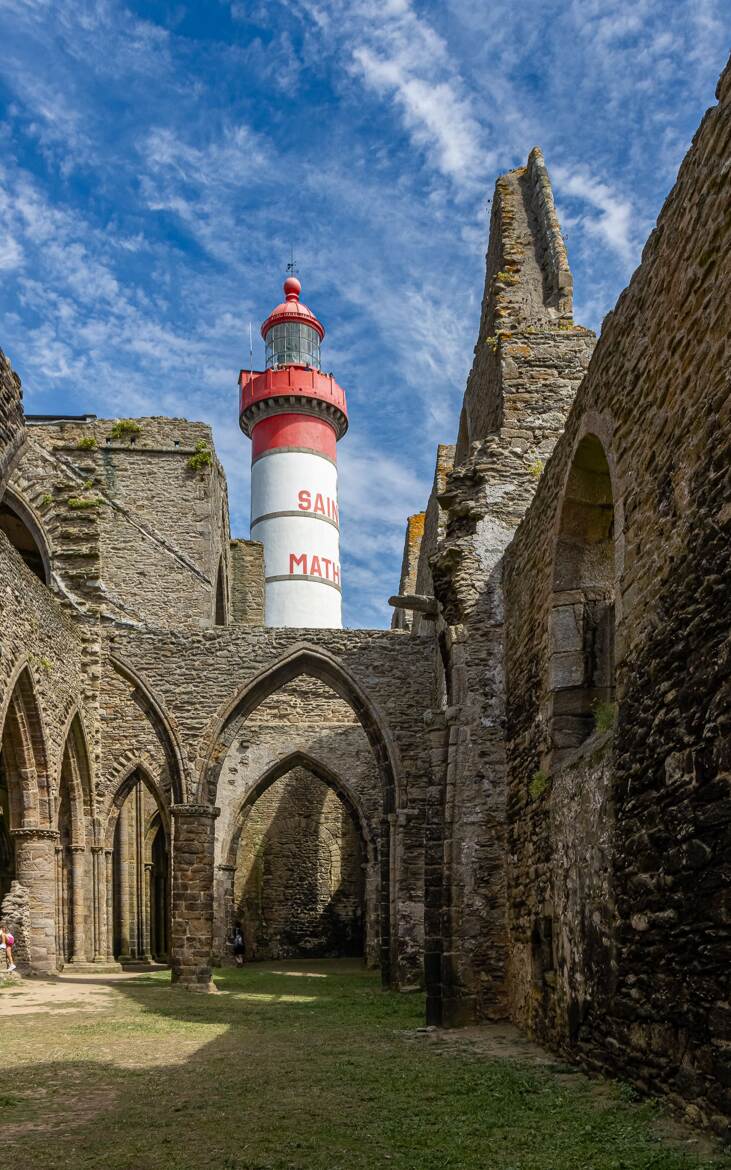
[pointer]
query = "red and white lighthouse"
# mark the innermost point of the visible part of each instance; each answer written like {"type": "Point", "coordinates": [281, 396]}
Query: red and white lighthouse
{"type": "Point", "coordinates": [294, 415]}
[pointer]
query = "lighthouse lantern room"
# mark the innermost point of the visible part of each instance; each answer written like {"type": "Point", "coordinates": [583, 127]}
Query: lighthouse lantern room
{"type": "Point", "coordinates": [294, 415]}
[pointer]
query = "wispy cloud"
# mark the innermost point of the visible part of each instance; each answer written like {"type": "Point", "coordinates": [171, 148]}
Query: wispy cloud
{"type": "Point", "coordinates": [154, 175]}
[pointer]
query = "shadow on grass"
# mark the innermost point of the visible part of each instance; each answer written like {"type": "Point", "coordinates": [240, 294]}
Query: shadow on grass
{"type": "Point", "coordinates": [298, 1066]}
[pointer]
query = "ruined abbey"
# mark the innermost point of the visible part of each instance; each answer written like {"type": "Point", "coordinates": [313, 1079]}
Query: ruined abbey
{"type": "Point", "coordinates": [518, 796]}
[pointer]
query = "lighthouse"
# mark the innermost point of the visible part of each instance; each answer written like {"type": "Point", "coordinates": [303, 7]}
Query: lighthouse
{"type": "Point", "coordinates": [294, 415]}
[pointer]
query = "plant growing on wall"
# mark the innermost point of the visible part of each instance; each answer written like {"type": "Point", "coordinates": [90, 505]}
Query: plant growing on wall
{"type": "Point", "coordinates": [605, 715]}
{"type": "Point", "coordinates": [540, 782]}
{"type": "Point", "coordinates": [125, 428]}
{"type": "Point", "coordinates": [88, 443]}
{"type": "Point", "coordinates": [203, 457]}
{"type": "Point", "coordinates": [80, 503]}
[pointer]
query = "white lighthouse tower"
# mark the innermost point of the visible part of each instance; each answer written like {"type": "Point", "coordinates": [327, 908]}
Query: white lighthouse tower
{"type": "Point", "coordinates": [294, 415]}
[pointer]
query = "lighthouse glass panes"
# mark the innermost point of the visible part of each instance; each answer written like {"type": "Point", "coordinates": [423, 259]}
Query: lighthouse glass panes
{"type": "Point", "coordinates": [293, 344]}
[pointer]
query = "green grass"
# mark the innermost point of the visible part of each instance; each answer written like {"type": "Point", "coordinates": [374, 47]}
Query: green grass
{"type": "Point", "coordinates": [285, 1071]}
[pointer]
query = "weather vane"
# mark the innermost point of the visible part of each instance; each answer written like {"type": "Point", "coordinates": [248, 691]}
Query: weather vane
{"type": "Point", "coordinates": [292, 267]}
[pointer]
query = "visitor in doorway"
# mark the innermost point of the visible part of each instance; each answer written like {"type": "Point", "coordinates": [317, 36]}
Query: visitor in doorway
{"type": "Point", "coordinates": [6, 944]}
{"type": "Point", "coordinates": [239, 948]}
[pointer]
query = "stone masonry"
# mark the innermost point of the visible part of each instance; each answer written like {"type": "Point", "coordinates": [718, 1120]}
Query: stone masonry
{"type": "Point", "coordinates": [516, 798]}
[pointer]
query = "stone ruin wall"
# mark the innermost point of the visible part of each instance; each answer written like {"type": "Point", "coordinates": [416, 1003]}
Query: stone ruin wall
{"type": "Point", "coordinates": [134, 533]}
{"type": "Point", "coordinates": [529, 360]}
{"type": "Point", "coordinates": [619, 913]}
{"type": "Point", "coordinates": [299, 876]}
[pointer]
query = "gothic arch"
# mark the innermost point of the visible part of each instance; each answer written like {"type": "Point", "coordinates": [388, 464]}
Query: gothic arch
{"type": "Point", "coordinates": [24, 752]}
{"type": "Point", "coordinates": [133, 770]}
{"type": "Point", "coordinates": [25, 532]}
{"type": "Point", "coordinates": [305, 659]}
{"type": "Point", "coordinates": [75, 772]}
{"type": "Point", "coordinates": [308, 660]}
{"type": "Point", "coordinates": [161, 723]}
{"type": "Point", "coordinates": [297, 759]}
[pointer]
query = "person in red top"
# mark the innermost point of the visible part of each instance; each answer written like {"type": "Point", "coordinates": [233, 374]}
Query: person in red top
{"type": "Point", "coordinates": [6, 944]}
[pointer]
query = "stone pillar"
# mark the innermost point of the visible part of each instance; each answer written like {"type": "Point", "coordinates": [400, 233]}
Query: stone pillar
{"type": "Point", "coordinates": [78, 942]}
{"type": "Point", "coordinates": [99, 903]}
{"type": "Point", "coordinates": [35, 867]}
{"type": "Point", "coordinates": [123, 892]}
{"type": "Point", "coordinates": [60, 909]}
{"type": "Point", "coordinates": [109, 868]}
{"type": "Point", "coordinates": [191, 940]}
{"type": "Point", "coordinates": [148, 912]}
{"type": "Point", "coordinates": [224, 911]}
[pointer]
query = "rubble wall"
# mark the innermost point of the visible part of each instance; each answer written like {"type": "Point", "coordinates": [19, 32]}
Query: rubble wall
{"type": "Point", "coordinates": [619, 926]}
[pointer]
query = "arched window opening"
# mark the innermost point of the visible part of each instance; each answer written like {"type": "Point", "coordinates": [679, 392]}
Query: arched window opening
{"type": "Point", "coordinates": [582, 617]}
{"type": "Point", "coordinates": [23, 533]}
{"type": "Point", "coordinates": [140, 877]}
{"type": "Point", "coordinates": [220, 619]}
{"type": "Point", "coordinates": [299, 879]}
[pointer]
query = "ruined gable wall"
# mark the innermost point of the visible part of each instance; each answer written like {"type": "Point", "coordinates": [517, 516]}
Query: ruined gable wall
{"type": "Point", "coordinates": [528, 363]}
{"type": "Point", "coordinates": [402, 619]}
{"type": "Point", "coordinates": [626, 849]}
{"type": "Point", "coordinates": [162, 526]}
{"type": "Point", "coordinates": [12, 423]}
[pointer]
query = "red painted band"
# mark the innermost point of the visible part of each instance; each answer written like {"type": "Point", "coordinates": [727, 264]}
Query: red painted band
{"type": "Point", "coordinates": [293, 430]}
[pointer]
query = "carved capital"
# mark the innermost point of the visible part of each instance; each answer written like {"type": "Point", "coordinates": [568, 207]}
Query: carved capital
{"type": "Point", "coordinates": [35, 834]}
{"type": "Point", "coordinates": [195, 810]}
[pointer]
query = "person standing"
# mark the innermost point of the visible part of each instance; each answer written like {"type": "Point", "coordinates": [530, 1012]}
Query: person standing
{"type": "Point", "coordinates": [6, 944]}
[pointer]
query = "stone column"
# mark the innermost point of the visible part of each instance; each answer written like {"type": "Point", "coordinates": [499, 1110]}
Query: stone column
{"type": "Point", "coordinates": [60, 914]}
{"type": "Point", "coordinates": [109, 867]}
{"type": "Point", "coordinates": [123, 892]}
{"type": "Point", "coordinates": [78, 943]}
{"type": "Point", "coordinates": [99, 903]}
{"type": "Point", "coordinates": [148, 912]}
{"type": "Point", "coordinates": [224, 911]}
{"type": "Point", "coordinates": [35, 866]}
{"type": "Point", "coordinates": [192, 895]}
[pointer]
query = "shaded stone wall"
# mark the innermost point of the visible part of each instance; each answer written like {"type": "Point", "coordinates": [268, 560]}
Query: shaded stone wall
{"type": "Point", "coordinates": [618, 854]}
{"type": "Point", "coordinates": [529, 359]}
{"type": "Point", "coordinates": [402, 618]}
{"type": "Point", "coordinates": [299, 880]}
{"type": "Point", "coordinates": [247, 582]}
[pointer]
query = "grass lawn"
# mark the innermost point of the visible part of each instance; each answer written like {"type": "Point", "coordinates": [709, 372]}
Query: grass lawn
{"type": "Point", "coordinates": [296, 1065]}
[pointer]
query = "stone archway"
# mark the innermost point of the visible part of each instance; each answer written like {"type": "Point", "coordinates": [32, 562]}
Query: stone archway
{"type": "Point", "coordinates": [195, 837]}
{"type": "Point", "coordinates": [300, 826]}
{"type": "Point", "coordinates": [77, 926]}
{"type": "Point", "coordinates": [30, 836]}
{"type": "Point", "coordinates": [138, 871]}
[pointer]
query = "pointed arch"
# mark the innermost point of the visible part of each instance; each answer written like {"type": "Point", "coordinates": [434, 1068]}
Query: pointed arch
{"type": "Point", "coordinates": [76, 776]}
{"type": "Point", "coordinates": [161, 723]}
{"type": "Point", "coordinates": [25, 757]}
{"type": "Point", "coordinates": [297, 759]}
{"type": "Point", "coordinates": [25, 532]}
{"type": "Point", "coordinates": [134, 771]}
{"type": "Point", "coordinates": [302, 659]}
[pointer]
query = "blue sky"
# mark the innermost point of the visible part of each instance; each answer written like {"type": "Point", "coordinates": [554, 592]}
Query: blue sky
{"type": "Point", "coordinates": [157, 160]}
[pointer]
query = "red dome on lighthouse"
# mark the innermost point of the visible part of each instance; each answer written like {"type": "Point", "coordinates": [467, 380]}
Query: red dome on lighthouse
{"type": "Point", "coordinates": [292, 310]}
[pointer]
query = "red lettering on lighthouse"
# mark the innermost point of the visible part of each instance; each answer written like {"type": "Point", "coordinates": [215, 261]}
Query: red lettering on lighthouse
{"type": "Point", "coordinates": [327, 563]}
{"type": "Point", "coordinates": [336, 574]}
{"type": "Point", "coordinates": [319, 505]}
{"type": "Point", "coordinates": [315, 569]}
{"type": "Point", "coordinates": [304, 500]}
{"type": "Point", "coordinates": [300, 560]}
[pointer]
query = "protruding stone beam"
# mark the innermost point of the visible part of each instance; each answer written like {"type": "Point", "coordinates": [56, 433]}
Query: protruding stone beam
{"type": "Point", "coordinates": [192, 895]}
{"type": "Point", "coordinates": [427, 606]}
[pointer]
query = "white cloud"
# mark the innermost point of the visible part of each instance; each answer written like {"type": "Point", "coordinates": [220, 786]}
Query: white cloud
{"type": "Point", "coordinates": [615, 223]}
